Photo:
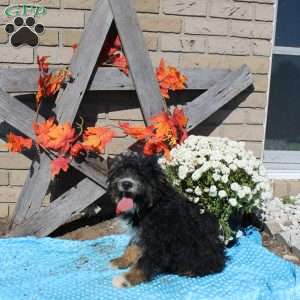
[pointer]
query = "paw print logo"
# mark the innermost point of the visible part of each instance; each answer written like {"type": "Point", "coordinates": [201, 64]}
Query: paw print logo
{"type": "Point", "coordinates": [24, 32]}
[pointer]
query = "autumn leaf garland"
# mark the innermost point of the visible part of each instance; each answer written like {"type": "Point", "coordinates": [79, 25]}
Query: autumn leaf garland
{"type": "Point", "coordinates": [63, 141]}
{"type": "Point", "coordinates": [49, 83]}
{"type": "Point", "coordinates": [164, 133]}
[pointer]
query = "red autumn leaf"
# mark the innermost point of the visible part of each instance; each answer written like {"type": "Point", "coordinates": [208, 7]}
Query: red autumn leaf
{"type": "Point", "coordinates": [55, 81]}
{"type": "Point", "coordinates": [49, 83]}
{"type": "Point", "coordinates": [96, 138]}
{"type": "Point", "coordinates": [120, 61]}
{"type": "Point", "coordinates": [43, 64]}
{"type": "Point", "coordinates": [162, 135]}
{"type": "Point", "coordinates": [138, 132]}
{"type": "Point", "coordinates": [43, 128]}
{"type": "Point", "coordinates": [77, 149]}
{"type": "Point", "coordinates": [169, 78]}
{"type": "Point", "coordinates": [59, 164]}
{"type": "Point", "coordinates": [180, 121]}
{"type": "Point", "coordinates": [16, 143]}
{"type": "Point", "coordinates": [156, 146]}
{"type": "Point", "coordinates": [61, 137]}
{"type": "Point", "coordinates": [54, 137]}
{"type": "Point", "coordinates": [179, 118]}
{"type": "Point", "coordinates": [164, 128]}
{"type": "Point", "coordinates": [112, 55]}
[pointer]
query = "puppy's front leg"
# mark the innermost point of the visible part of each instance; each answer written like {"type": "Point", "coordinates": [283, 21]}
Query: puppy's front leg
{"type": "Point", "coordinates": [135, 276]}
{"type": "Point", "coordinates": [130, 257]}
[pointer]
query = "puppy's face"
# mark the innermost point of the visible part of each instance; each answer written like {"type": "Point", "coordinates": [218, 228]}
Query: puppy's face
{"type": "Point", "coordinates": [132, 183]}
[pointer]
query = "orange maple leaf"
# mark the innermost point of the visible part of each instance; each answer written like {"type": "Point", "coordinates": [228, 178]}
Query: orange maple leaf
{"type": "Point", "coordinates": [54, 137]}
{"type": "Point", "coordinates": [180, 121]}
{"type": "Point", "coordinates": [96, 138]}
{"type": "Point", "coordinates": [119, 60]}
{"type": "Point", "coordinates": [55, 81]}
{"type": "Point", "coordinates": [169, 78]}
{"type": "Point", "coordinates": [59, 164]}
{"type": "Point", "coordinates": [156, 146]}
{"type": "Point", "coordinates": [138, 132]}
{"type": "Point", "coordinates": [77, 149]}
{"type": "Point", "coordinates": [16, 143]}
{"type": "Point", "coordinates": [112, 54]}
{"type": "Point", "coordinates": [61, 137]}
{"type": "Point", "coordinates": [49, 83]}
{"type": "Point", "coordinates": [164, 133]}
{"type": "Point", "coordinates": [164, 128]}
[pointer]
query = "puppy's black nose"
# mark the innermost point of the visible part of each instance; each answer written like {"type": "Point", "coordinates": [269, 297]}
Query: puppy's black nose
{"type": "Point", "coordinates": [126, 185]}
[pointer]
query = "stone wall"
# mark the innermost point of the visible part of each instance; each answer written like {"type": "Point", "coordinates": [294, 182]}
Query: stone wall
{"type": "Point", "coordinates": [202, 33]}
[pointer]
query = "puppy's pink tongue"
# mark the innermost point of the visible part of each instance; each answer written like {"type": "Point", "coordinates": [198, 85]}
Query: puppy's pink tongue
{"type": "Point", "coordinates": [124, 205]}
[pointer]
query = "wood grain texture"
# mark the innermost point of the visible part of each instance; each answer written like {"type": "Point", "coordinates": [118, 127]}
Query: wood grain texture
{"type": "Point", "coordinates": [68, 101]}
{"type": "Point", "coordinates": [84, 61]}
{"type": "Point", "coordinates": [31, 199]}
{"type": "Point", "coordinates": [105, 79]}
{"type": "Point", "coordinates": [19, 116]}
{"type": "Point", "coordinates": [140, 66]}
{"type": "Point", "coordinates": [217, 96]}
{"type": "Point", "coordinates": [63, 208]}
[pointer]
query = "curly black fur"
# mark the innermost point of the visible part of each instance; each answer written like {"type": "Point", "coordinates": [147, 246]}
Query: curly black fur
{"type": "Point", "coordinates": [174, 237]}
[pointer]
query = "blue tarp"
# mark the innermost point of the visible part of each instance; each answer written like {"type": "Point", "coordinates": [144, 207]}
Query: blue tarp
{"type": "Point", "coordinates": [53, 269]}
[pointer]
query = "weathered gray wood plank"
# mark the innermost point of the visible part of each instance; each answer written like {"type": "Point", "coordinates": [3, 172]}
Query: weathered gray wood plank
{"type": "Point", "coordinates": [68, 100]}
{"type": "Point", "coordinates": [138, 58]}
{"type": "Point", "coordinates": [30, 200]}
{"type": "Point", "coordinates": [62, 209]}
{"type": "Point", "coordinates": [19, 116]}
{"type": "Point", "coordinates": [84, 61]}
{"type": "Point", "coordinates": [217, 96]}
{"type": "Point", "coordinates": [22, 80]}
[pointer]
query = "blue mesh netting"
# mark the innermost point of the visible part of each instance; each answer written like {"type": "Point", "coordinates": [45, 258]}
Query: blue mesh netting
{"type": "Point", "coordinates": [53, 269]}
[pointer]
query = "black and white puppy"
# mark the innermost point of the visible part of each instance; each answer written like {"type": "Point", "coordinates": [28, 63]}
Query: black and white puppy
{"type": "Point", "coordinates": [170, 234]}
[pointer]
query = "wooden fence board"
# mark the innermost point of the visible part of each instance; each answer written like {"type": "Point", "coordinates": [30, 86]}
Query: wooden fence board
{"type": "Point", "coordinates": [19, 116]}
{"type": "Point", "coordinates": [31, 199]}
{"type": "Point", "coordinates": [84, 61]}
{"type": "Point", "coordinates": [138, 58]}
{"type": "Point", "coordinates": [68, 100]}
{"type": "Point", "coordinates": [217, 96]}
{"type": "Point", "coordinates": [62, 209]}
{"type": "Point", "coordinates": [22, 80]}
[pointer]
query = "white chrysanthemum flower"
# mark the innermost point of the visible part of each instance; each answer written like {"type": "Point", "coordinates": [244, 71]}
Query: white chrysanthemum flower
{"type": "Point", "coordinates": [247, 190]}
{"type": "Point", "coordinates": [232, 202]}
{"type": "Point", "coordinates": [233, 167]}
{"type": "Point", "coordinates": [196, 200]}
{"type": "Point", "coordinates": [199, 161]}
{"type": "Point", "coordinates": [196, 175]}
{"type": "Point", "coordinates": [224, 179]}
{"type": "Point", "coordinates": [198, 191]}
{"type": "Point", "coordinates": [222, 194]}
{"type": "Point", "coordinates": [235, 186]}
{"type": "Point", "coordinates": [216, 177]}
{"type": "Point", "coordinates": [241, 193]}
{"type": "Point", "coordinates": [182, 172]}
{"type": "Point", "coordinates": [213, 192]}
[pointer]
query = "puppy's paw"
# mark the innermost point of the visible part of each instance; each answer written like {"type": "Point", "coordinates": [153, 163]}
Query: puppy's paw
{"type": "Point", "coordinates": [121, 282]}
{"type": "Point", "coordinates": [118, 263]}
